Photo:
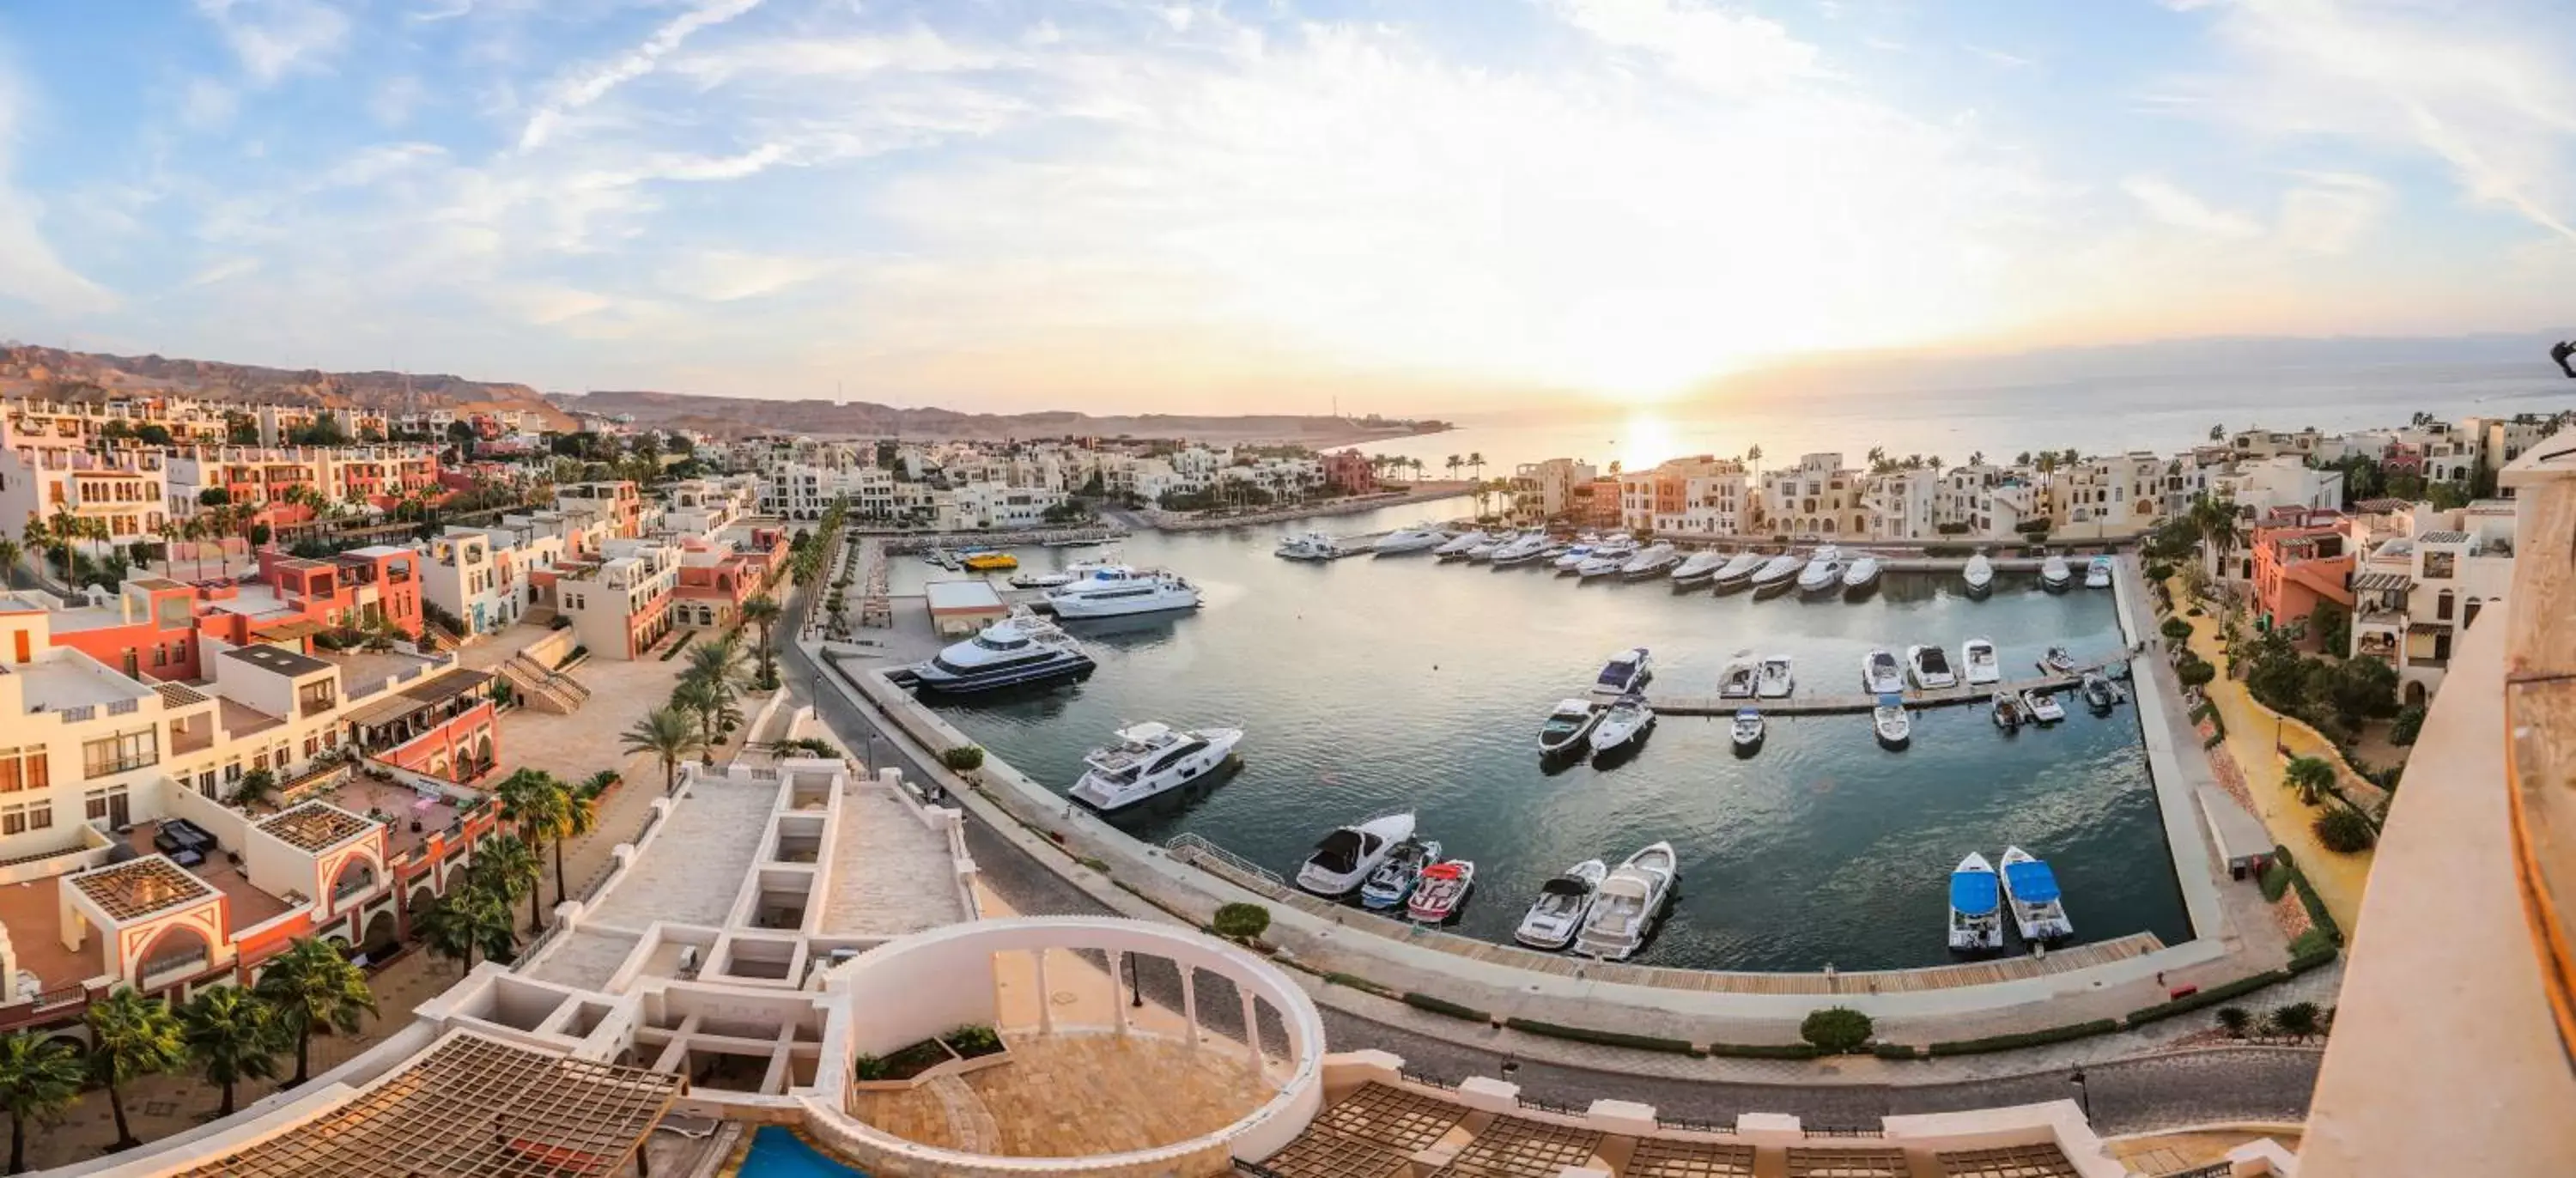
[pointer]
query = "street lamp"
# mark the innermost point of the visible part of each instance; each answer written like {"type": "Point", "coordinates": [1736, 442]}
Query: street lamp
{"type": "Point", "coordinates": [1133, 986]}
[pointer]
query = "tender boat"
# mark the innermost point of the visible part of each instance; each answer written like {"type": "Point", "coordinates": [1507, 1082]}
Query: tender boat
{"type": "Point", "coordinates": [1739, 681]}
{"type": "Point", "coordinates": [2032, 889]}
{"type": "Point", "coordinates": [1558, 913]}
{"type": "Point", "coordinates": [1626, 673]}
{"type": "Point", "coordinates": [1568, 728]}
{"type": "Point", "coordinates": [1980, 575]}
{"type": "Point", "coordinates": [2007, 711]}
{"type": "Point", "coordinates": [1112, 591]}
{"type": "Point", "coordinates": [1861, 577]}
{"type": "Point", "coordinates": [1738, 572]}
{"type": "Point", "coordinates": [987, 560]}
{"type": "Point", "coordinates": [1523, 549]}
{"type": "Point", "coordinates": [1018, 651]}
{"type": "Point", "coordinates": [1309, 546]}
{"type": "Point", "coordinates": [2044, 708]}
{"type": "Point", "coordinates": [1976, 910]}
{"type": "Point", "coordinates": [2097, 575]}
{"type": "Point", "coordinates": [1443, 888]}
{"type": "Point", "coordinates": [1622, 724]}
{"type": "Point", "coordinates": [1978, 655]}
{"type": "Point", "coordinates": [1748, 732]}
{"type": "Point", "coordinates": [1573, 557]}
{"type": "Point", "coordinates": [2099, 695]}
{"type": "Point", "coordinates": [1345, 857]}
{"type": "Point", "coordinates": [2054, 575]}
{"type": "Point", "coordinates": [2057, 662]}
{"type": "Point", "coordinates": [1773, 680]}
{"type": "Point", "coordinates": [1879, 672]}
{"type": "Point", "coordinates": [1824, 571]}
{"type": "Point", "coordinates": [1040, 580]}
{"type": "Point", "coordinates": [1627, 904]}
{"type": "Point", "coordinates": [1418, 538]}
{"type": "Point", "coordinates": [1701, 567]}
{"type": "Point", "coordinates": [1895, 728]}
{"type": "Point", "coordinates": [1150, 760]}
{"type": "Point", "coordinates": [1777, 575]}
{"type": "Point", "coordinates": [1931, 667]}
{"type": "Point", "coordinates": [1456, 546]}
{"type": "Point", "coordinates": [1393, 880]}
{"type": "Point", "coordinates": [1651, 562]}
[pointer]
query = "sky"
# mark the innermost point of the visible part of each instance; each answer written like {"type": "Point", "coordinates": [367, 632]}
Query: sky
{"type": "Point", "coordinates": [1403, 206]}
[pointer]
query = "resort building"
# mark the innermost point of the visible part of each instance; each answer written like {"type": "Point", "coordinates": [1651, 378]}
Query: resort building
{"type": "Point", "coordinates": [614, 503]}
{"type": "Point", "coordinates": [1905, 504]}
{"type": "Point", "coordinates": [2261, 487]}
{"type": "Point", "coordinates": [620, 600]}
{"type": "Point", "coordinates": [1699, 496]}
{"type": "Point", "coordinates": [2298, 565]}
{"type": "Point", "coordinates": [1817, 499]}
{"type": "Point", "coordinates": [2417, 590]}
{"type": "Point", "coordinates": [2112, 497]}
{"type": "Point", "coordinates": [1546, 490]}
{"type": "Point", "coordinates": [123, 492]}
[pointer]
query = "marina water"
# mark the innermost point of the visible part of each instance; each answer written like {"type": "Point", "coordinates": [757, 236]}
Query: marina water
{"type": "Point", "coordinates": [1376, 684]}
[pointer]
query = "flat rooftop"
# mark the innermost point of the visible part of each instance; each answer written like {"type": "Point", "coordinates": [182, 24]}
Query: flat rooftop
{"type": "Point", "coordinates": [62, 683]}
{"type": "Point", "coordinates": [278, 659]}
{"type": "Point", "coordinates": [315, 827]}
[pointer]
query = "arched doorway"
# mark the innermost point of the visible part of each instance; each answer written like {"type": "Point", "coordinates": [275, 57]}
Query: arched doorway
{"type": "Point", "coordinates": [356, 878]}
{"type": "Point", "coordinates": [2415, 693]}
{"type": "Point", "coordinates": [381, 937]}
{"type": "Point", "coordinates": [180, 952]}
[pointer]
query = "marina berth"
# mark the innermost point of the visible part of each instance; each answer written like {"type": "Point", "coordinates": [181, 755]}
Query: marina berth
{"type": "Point", "coordinates": [1622, 724]}
{"type": "Point", "coordinates": [1740, 680]}
{"type": "Point", "coordinates": [1930, 668]}
{"type": "Point", "coordinates": [1976, 907]}
{"type": "Point", "coordinates": [1442, 891]}
{"type": "Point", "coordinates": [1421, 537]}
{"type": "Point", "coordinates": [1455, 548]}
{"type": "Point", "coordinates": [1482, 552]}
{"type": "Point", "coordinates": [1112, 591]}
{"type": "Point", "coordinates": [1777, 575]}
{"type": "Point", "coordinates": [1880, 672]}
{"type": "Point", "coordinates": [1601, 563]}
{"type": "Point", "coordinates": [1861, 577]}
{"type": "Point", "coordinates": [1557, 915]}
{"type": "Point", "coordinates": [1699, 569]}
{"type": "Point", "coordinates": [1019, 651]}
{"type": "Point", "coordinates": [1394, 880]}
{"type": "Point", "coordinates": [2054, 576]}
{"type": "Point", "coordinates": [1980, 574]}
{"type": "Point", "coordinates": [1823, 572]}
{"type": "Point", "coordinates": [2097, 575]}
{"type": "Point", "coordinates": [1627, 673]}
{"type": "Point", "coordinates": [1522, 549]}
{"type": "Point", "coordinates": [1627, 905]}
{"type": "Point", "coordinates": [2042, 706]}
{"type": "Point", "coordinates": [1150, 760]}
{"type": "Point", "coordinates": [1568, 730]}
{"type": "Point", "coordinates": [1738, 571]}
{"type": "Point", "coordinates": [1894, 727]}
{"type": "Point", "coordinates": [1573, 557]}
{"type": "Point", "coordinates": [1651, 562]}
{"type": "Point", "coordinates": [1747, 731]}
{"type": "Point", "coordinates": [2099, 694]}
{"type": "Point", "coordinates": [2007, 710]}
{"type": "Point", "coordinates": [1773, 681]}
{"type": "Point", "coordinates": [1309, 546]}
{"type": "Point", "coordinates": [1344, 858]}
{"type": "Point", "coordinates": [2031, 888]}
{"type": "Point", "coordinates": [2057, 662]}
{"type": "Point", "coordinates": [1979, 656]}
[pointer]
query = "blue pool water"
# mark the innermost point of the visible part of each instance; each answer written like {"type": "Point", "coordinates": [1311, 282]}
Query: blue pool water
{"type": "Point", "coordinates": [778, 1153]}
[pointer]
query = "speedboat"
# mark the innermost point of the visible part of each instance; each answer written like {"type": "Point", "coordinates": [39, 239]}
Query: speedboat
{"type": "Point", "coordinates": [1456, 546]}
{"type": "Point", "coordinates": [1418, 538]}
{"type": "Point", "coordinates": [1573, 557]}
{"type": "Point", "coordinates": [1148, 760]}
{"type": "Point", "coordinates": [1618, 544]}
{"type": "Point", "coordinates": [1017, 651]}
{"type": "Point", "coordinates": [2099, 695]}
{"type": "Point", "coordinates": [2057, 662]}
{"type": "Point", "coordinates": [1651, 562]}
{"type": "Point", "coordinates": [1895, 728]}
{"type": "Point", "coordinates": [1480, 553]}
{"type": "Point", "coordinates": [1772, 681]}
{"type": "Point", "coordinates": [1626, 673]}
{"type": "Point", "coordinates": [1701, 566]}
{"type": "Point", "coordinates": [1777, 575]}
{"type": "Point", "coordinates": [988, 560]}
{"type": "Point", "coordinates": [1739, 680]}
{"type": "Point", "coordinates": [1861, 577]}
{"type": "Point", "coordinates": [1622, 724]}
{"type": "Point", "coordinates": [1879, 673]}
{"type": "Point", "coordinates": [1931, 667]}
{"type": "Point", "coordinates": [1040, 580]}
{"type": "Point", "coordinates": [1558, 913]}
{"type": "Point", "coordinates": [1627, 904]}
{"type": "Point", "coordinates": [2054, 575]}
{"type": "Point", "coordinates": [1748, 731]}
{"type": "Point", "coordinates": [1978, 654]}
{"type": "Point", "coordinates": [1394, 879]}
{"type": "Point", "coordinates": [2007, 711]}
{"type": "Point", "coordinates": [2032, 889]}
{"type": "Point", "coordinates": [2097, 575]}
{"type": "Point", "coordinates": [1443, 888]}
{"type": "Point", "coordinates": [1980, 575]}
{"type": "Point", "coordinates": [1824, 571]}
{"type": "Point", "coordinates": [1308, 546]}
{"type": "Point", "coordinates": [2044, 708]}
{"type": "Point", "coordinates": [1568, 727]}
{"type": "Point", "coordinates": [1976, 912]}
{"type": "Point", "coordinates": [1345, 857]}
{"type": "Point", "coordinates": [1112, 591]}
{"type": "Point", "coordinates": [1524, 548]}
{"type": "Point", "coordinates": [1738, 572]}
{"type": "Point", "coordinates": [1600, 564]}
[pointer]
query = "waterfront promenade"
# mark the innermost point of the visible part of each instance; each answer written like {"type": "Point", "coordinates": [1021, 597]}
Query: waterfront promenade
{"type": "Point", "coordinates": [1421, 493]}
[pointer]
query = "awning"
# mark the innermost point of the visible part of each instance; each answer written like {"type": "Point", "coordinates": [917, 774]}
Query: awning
{"type": "Point", "coordinates": [447, 686]}
{"type": "Point", "coordinates": [2382, 582]}
{"type": "Point", "coordinates": [388, 710]}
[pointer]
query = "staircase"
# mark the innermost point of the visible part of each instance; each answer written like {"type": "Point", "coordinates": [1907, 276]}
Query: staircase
{"type": "Point", "coordinates": [542, 687]}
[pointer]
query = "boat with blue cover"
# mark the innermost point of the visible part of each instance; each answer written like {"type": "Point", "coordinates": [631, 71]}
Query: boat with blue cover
{"type": "Point", "coordinates": [2032, 889]}
{"type": "Point", "coordinates": [1976, 910]}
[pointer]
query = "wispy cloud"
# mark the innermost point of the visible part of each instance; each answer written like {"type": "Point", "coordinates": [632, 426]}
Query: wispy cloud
{"type": "Point", "coordinates": [273, 37]}
{"type": "Point", "coordinates": [1711, 47]}
{"type": "Point", "coordinates": [581, 88]}
{"type": "Point", "coordinates": [2171, 204]}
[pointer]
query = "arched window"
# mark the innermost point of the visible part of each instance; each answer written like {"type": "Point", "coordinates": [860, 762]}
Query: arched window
{"type": "Point", "coordinates": [2469, 615]}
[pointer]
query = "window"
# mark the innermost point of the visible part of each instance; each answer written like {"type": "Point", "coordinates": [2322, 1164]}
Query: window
{"type": "Point", "coordinates": [21, 817]}
{"type": "Point", "coordinates": [232, 772]}
{"type": "Point", "coordinates": [2442, 606]}
{"type": "Point", "coordinates": [23, 769]}
{"type": "Point", "coordinates": [206, 783]}
{"type": "Point", "coordinates": [116, 754]}
{"type": "Point", "coordinates": [109, 804]}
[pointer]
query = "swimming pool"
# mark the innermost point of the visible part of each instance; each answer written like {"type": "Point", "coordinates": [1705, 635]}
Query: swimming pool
{"type": "Point", "coordinates": [779, 1153]}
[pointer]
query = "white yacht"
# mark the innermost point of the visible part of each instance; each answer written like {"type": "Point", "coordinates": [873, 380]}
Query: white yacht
{"type": "Point", "coordinates": [1482, 552]}
{"type": "Point", "coordinates": [1394, 879]}
{"type": "Point", "coordinates": [1773, 680]}
{"type": "Point", "coordinates": [2097, 574]}
{"type": "Point", "coordinates": [1618, 546]}
{"type": "Point", "coordinates": [1931, 668]}
{"type": "Point", "coordinates": [1017, 651]}
{"type": "Point", "coordinates": [1622, 724]}
{"type": "Point", "coordinates": [1980, 575]}
{"type": "Point", "coordinates": [2032, 889]}
{"type": "Point", "coordinates": [1978, 656]}
{"type": "Point", "coordinates": [1568, 728]}
{"type": "Point", "coordinates": [1573, 557]}
{"type": "Point", "coordinates": [1148, 760]}
{"type": "Point", "coordinates": [1117, 590]}
{"type": "Point", "coordinates": [1600, 564]}
{"type": "Point", "coordinates": [1824, 571]}
{"type": "Point", "coordinates": [2057, 662]}
{"type": "Point", "coordinates": [1748, 731]}
{"type": "Point", "coordinates": [1524, 548]}
{"type": "Point", "coordinates": [1740, 680]}
{"type": "Point", "coordinates": [1346, 857]}
{"type": "Point", "coordinates": [1778, 574]}
{"type": "Point", "coordinates": [1038, 580]}
{"type": "Point", "coordinates": [2043, 707]}
{"type": "Point", "coordinates": [1879, 672]}
{"type": "Point", "coordinates": [1862, 576]}
{"type": "Point", "coordinates": [1701, 566]}
{"type": "Point", "coordinates": [1456, 546]}
{"type": "Point", "coordinates": [1418, 538]}
{"type": "Point", "coordinates": [1895, 728]}
{"type": "Point", "coordinates": [1976, 911]}
{"type": "Point", "coordinates": [1626, 673]}
{"type": "Point", "coordinates": [1627, 904]}
{"type": "Point", "coordinates": [1562, 902]}
{"type": "Point", "coordinates": [2054, 576]}
{"type": "Point", "coordinates": [1652, 561]}
{"type": "Point", "coordinates": [2098, 693]}
{"type": "Point", "coordinates": [1308, 546]}
{"type": "Point", "coordinates": [1738, 572]}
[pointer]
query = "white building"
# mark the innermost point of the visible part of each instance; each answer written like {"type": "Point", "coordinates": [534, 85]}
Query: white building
{"type": "Point", "coordinates": [1904, 504]}
{"type": "Point", "coordinates": [2425, 578]}
{"type": "Point", "coordinates": [2263, 486]}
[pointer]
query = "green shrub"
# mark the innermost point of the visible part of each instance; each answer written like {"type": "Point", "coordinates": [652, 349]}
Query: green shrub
{"type": "Point", "coordinates": [2344, 830]}
{"type": "Point", "coordinates": [2102, 1026]}
{"type": "Point", "coordinates": [2196, 612]}
{"type": "Point", "coordinates": [1836, 1030]}
{"type": "Point", "coordinates": [868, 1067]}
{"type": "Point", "coordinates": [1605, 1038]}
{"type": "Point", "coordinates": [2206, 998]}
{"type": "Point", "coordinates": [2235, 1020]}
{"type": "Point", "coordinates": [2176, 629]}
{"type": "Point", "coordinates": [1361, 984]}
{"type": "Point", "coordinates": [1242, 922]}
{"type": "Point", "coordinates": [2312, 946]}
{"type": "Point", "coordinates": [2409, 722]}
{"type": "Point", "coordinates": [2317, 914]}
{"type": "Point", "coordinates": [2160, 572]}
{"type": "Point", "coordinates": [1764, 1050]}
{"type": "Point", "coordinates": [2196, 673]}
{"type": "Point", "coordinates": [972, 1040]}
{"type": "Point", "coordinates": [1436, 1005]}
{"type": "Point", "coordinates": [1895, 1051]}
{"type": "Point", "coordinates": [2275, 880]}
{"type": "Point", "coordinates": [964, 758]}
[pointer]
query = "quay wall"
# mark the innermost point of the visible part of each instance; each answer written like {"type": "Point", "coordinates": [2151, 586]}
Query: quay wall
{"type": "Point", "coordinates": [1175, 522]}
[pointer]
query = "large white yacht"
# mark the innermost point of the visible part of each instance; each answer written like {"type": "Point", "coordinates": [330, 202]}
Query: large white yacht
{"type": "Point", "coordinates": [1345, 857]}
{"type": "Point", "coordinates": [1627, 904]}
{"type": "Point", "coordinates": [1980, 575]}
{"type": "Point", "coordinates": [1738, 572]}
{"type": "Point", "coordinates": [1117, 590]}
{"type": "Point", "coordinates": [1456, 547]}
{"type": "Point", "coordinates": [1562, 903]}
{"type": "Point", "coordinates": [1976, 914]}
{"type": "Point", "coordinates": [1654, 560]}
{"type": "Point", "coordinates": [1522, 549]}
{"type": "Point", "coordinates": [1308, 546]}
{"type": "Point", "coordinates": [1701, 567]}
{"type": "Point", "coordinates": [1824, 571]}
{"type": "Point", "coordinates": [1861, 577]}
{"type": "Point", "coordinates": [1573, 556]}
{"type": "Point", "coordinates": [2054, 576]}
{"type": "Point", "coordinates": [1418, 538]}
{"type": "Point", "coordinates": [1150, 760]}
{"type": "Point", "coordinates": [2032, 889]}
{"type": "Point", "coordinates": [1017, 651]}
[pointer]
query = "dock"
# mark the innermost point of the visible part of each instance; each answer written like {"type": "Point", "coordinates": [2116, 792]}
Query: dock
{"type": "Point", "coordinates": [1828, 705]}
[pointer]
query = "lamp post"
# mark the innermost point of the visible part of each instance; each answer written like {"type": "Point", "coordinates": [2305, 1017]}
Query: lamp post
{"type": "Point", "coordinates": [1134, 987]}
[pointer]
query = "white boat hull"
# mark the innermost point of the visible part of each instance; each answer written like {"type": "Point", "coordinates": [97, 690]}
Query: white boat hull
{"type": "Point", "coordinates": [1108, 797]}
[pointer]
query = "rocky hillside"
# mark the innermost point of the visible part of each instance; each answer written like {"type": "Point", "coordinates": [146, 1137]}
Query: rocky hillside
{"type": "Point", "coordinates": [736, 416]}
{"type": "Point", "coordinates": [27, 370]}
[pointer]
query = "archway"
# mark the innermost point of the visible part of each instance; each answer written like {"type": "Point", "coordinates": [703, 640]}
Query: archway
{"type": "Point", "coordinates": [179, 952]}
{"type": "Point", "coordinates": [356, 877]}
{"type": "Point", "coordinates": [2415, 693]}
{"type": "Point", "coordinates": [381, 937]}
{"type": "Point", "coordinates": [2469, 613]}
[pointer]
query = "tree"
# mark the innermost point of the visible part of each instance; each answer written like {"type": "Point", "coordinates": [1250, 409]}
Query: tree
{"type": "Point", "coordinates": [232, 1035]}
{"type": "Point", "coordinates": [710, 704]}
{"type": "Point", "coordinates": [506, 865]}
{"type": "Point", "coordinates": [254, 788]}
{"type": "Point", "coordinates": [1453, 464]}
{"type": "Point", "coordinates": [671, 735]}
{"type": "Point", "coordinates": [39, 1077]}
{"type": "Point", "coordinates": [2409, 723]}
{"type": "Point", "coordinates": [2298, 1020]}
{"type": "Point", "coordinates": [2176, 629]}
{"type": "Point", "coordinates": [2196, 673]}
{"type": "Point", "coordinates": [1241, 922]}
{"type": "Point", "coordinates": [2344, 831]}
{"type": "Point", "coordinates": [10, 555]}
{"type": "Point", "coordinates": [1836, 1030]}
{"type": "Point", "coordinates": [535, 804]}
{"type": "Point", "coordinates": [467, 920]}
{"type": "Point", "coordinates": [2331, 623]}
{"type": "Point", "coordinates": [130, 1036]}
{"type": "Point", "coordinates": [2235, 1020]}
{"type": "Point", "coordinates": [2308, 775]}
{"type": "Point", "coordinates": [964, 758]}
{"type": "Point", "coordinates": [314, 990]}
{"type": "Point", "coordinates": [762, 613]}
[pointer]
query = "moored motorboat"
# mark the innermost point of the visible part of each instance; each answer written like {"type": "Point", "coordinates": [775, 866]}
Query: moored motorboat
{"type": "Point", "coordinates": [1418, 538]}
{"type": "Point", "coordinates": [2057, 662]}
{"type": "Point", "coordinates": [1569, 728]}
{"type": "Point", "coordinates": [1150, 760]}
{"type": "Point", "coordinates": [1740, 680]}
{"type": "Point", "coordinates": [1738, 572]}
{"type": "Point", "coordinates": [1600, 564]}
{"type": "Point", "coordinates": [1977, 657]}
{"type": "Point", "coordinates": [987, 560]}
{"type": "Point", "coordinates": [1622, 724]}
{"type": "Point", "coordinates": [1480, 553]}
{"type": "Point", "coordinates": [1562, 902]}
{"type": "Point", "coordinates": [1895, 728]}
{"type": "Point", "coordinates": [1861, 577]}
{"type": "Point", "coordinates": [2006, 709]}
{"type": "Point", "coordinates": [1980, 575]}
{"type": "Point", "coordinates": [2044, 708]}
{"type": "Point", "coordinates": [1456, 546]}
{"type": "Point", "coordinates": [1308, 546]}
{"type": "Point", "coordinates": [2097, 574]}
{"type": "Point", "coordinates": [2054, 576]}
{"type": "Point", "coordinates": [1019, 651]}
{"type": "Point", "coordinates": [1110, 591]}
{"type": "Point", "coordinates": [1650, 562]}
{"type": "Point", "coordinates": [1823, 572]}
{"type": "Point", "coordinates": [1879, 672]}
{"type": "Point", "coordinates": [1699, 569]}
{"type": "Point", "coordinates": [1748, 731]}
{"type": "Point", "coordinates": [1773, 681]}
{"type": "Point", "coordinates": [1976, 908]}
{"type": "Point", "coordinates": [1626, 673]}
{"type": "Point", "coordinates": [1777, 575]}
{"type": "Point", "coordinates": [1394, 879]}
{"type": "Point", "coordinates": [2099, 695]}
{"type": "Point", "coordinates": [2032, 889]}
{"type": "Point", "coordinates": [1522, 549]}
{"type": "Point", "coordinates": [1443, 888]}
{"type": "Point", "coordinates": [1345, 857]}
{"type": "Point", "coordinates": [1627, 904]}
{"type": "Point", "coordinates": [1035, 580]}
{"type": "Point", "coordinates": [1930, 667]}
{"type": "Point", "coordinates": [1573, 557]}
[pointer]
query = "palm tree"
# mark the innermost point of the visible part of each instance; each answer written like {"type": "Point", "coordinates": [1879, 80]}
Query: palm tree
{"type": "Point", "coordinates": [711, 705]}
{"type": "Point", "coordinates": [507, 866]}
{"type": "Point", "coordinates": [130, 1036]}
{"type": "Point", "coordinates": [233, 1036]}
{"type": "Point", "coordinates": [533, 802]}
{"type": "Point", "coordinates": [313, 988]}
{"type": "Point", "coordinates": [1453, 464]}
{"type": "Point", "coordinates": [466, 920]}
{"type": "Point", "coordinates": [579, 816]}
{"type": "Point", "coordinates": [10, 554]}
{"type": "Point", "coordinates": [763, 612]}
{"type": "Point", "coordinates": [1477, 460]}
{"type": "Point", "coordinates": [39, 1077]}
{"type": "Point", "coordinates": [671, 735]}
{"type": "Point", "coordinates": [1877, 456]}
{"type": "Point", "coordinates": [1416, 464]}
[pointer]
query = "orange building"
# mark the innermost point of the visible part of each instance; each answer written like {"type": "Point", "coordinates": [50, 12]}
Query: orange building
{"type": "Point", "coordinates": [2297, 566]}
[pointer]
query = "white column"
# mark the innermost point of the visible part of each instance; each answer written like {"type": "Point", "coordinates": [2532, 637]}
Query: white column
{"type": "Point", "coordinates": [1251, 1027]}
{"type": "Point", "coordinates": [1118, 977]}
{"type": "Point", "coordinates": [1046, 995]}
{"type": "Point", "coordinates": [1190, 1002]}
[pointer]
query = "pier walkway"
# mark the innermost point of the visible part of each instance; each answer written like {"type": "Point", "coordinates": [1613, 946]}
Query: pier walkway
{"type": "Point", "coordinates": [1825, 705]}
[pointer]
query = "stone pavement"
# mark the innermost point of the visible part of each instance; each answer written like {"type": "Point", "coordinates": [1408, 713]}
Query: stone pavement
{"type": "Point", "coordinates": [890, 873]}
{"type": "Point", "coordinates": [693, 870]}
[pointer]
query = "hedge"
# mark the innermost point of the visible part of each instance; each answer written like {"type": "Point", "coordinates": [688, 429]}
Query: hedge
{"type": "Point", "coordinates": [1445, 1006]}
{"type": "Point", "coordinates": [2317, 914]}
{"type": "Point", "coordinates": [2099, 1026]}
{"type": "Point", "coordinates": [1359, 983]}
{"type": "Point", "coordinates": [2275, 881]}
{"type": "Point", "coordinates": [1763, 1050]}
{"type": "Point", "coordinates": [2209, 997]}
{"type": "Point", "coordinates": [1895, 1051]}
{"type": "Point", "coordinates": [2215, 739]}
{"type": "Point", "coordinates": [1604, 1038]}
{"type": "Point", "coordinates": [2309, 951]}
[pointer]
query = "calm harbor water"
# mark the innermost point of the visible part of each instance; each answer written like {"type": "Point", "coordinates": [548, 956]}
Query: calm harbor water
{"type": "Point", "coordinates": [1368, 685]}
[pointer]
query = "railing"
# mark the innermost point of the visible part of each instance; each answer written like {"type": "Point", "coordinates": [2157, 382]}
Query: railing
{"type": "Point", "coordinates": [163, 971]}
{"type": "Point", "coordinates": [1427, 1080]}
{"type": "Point", "coordinates": [1694, 1125]}
{"type": "Point", "coordinates": [1840, 1131]}
{"type": "Point", "coordinates": [1544, 1106]}
{"type": "Point", "coordinates": [124, 707]}
{"type": "Point", "coordinates": [1190, 848]}
{"type": "Point", "coordinates": [2212, 1170]}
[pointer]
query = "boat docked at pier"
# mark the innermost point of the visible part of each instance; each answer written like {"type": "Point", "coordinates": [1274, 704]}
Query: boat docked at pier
{"type": "Point", "coordinates": [1738, 572]}
{"type": "Point", "coordinates": [1480, 553]}
{"type": "Point", "coordinates": [2007, 710]}
{"type": "Point", "coordinates": [987, 560]}
{"type": "Point", "coordinates": [1895, 728]}
{"type": "Point", "coordinates": [1622, 724]}
{"type": "Point", "coordinates": [1442, 891]}
{"type": "Point", "coordinates": [1823, 572]}
{"type": "Point", "coordinates": [2031, 888]}
{"type": "Point", "coordinates": [2054, 576]}
{"type": "Point", "coordinates": [1557, 915]}
{"type": "Point", "coordinates": [1019, 651]}
{"type": "Point", "coordinates": [1568, 730]}
{"type": "Point", "coordinates": [1861, 577]}
{"type": "Point", "coordinates": [1741, 680]}
{"type": "Point", "coordinates": [1522, 549]}
{"type": "Point", "coordinates": [1602, 563]}
{"type": "Point", "coordinates": [2057, 662]}
{"type": "Point", "coordinates": [2099, 694]}
{"type": "Point", "coordinates": [1980, 575]}
{"type": "Point", "coordinates": [1628, 903]}
{"type": "Point", "coordinates": [1573, 557]}
{"type": "Point", "coordinates": [1418, 538]}
{"type": "Point", "coordinates": [2097, 573]}
{"type": "Point", "coordinates": [1976, 907]}
{"type": "Point", "coordinates": [1930, 667]}
{"type": "Point", "coordinates": [1777, 575]}
{"type": "Point", "coordinates": [1772, 680]}
{"type": "Point", "coordinates": [1699, 569]}
{"type": "Point", "coordinates": [1626, 673]}
{"type": "Point", "coordinates": [1650, 562]}
{"type": "Point", "coordinates": [1977, 656]}
{"type": "Point", "coordinates": [2043, 707]}
{"type": "Point", "coordinates": [1116, 590]}
{"type": "Point", "coordinates": [1747, 731]}
{"type": "Point", "coordinates": [1345, 857]}
{"type": "Point", "coordinates": [1308, 546]}
{"type": "Point", "coordinates": [1393, 881]}
{"type": "Point", "coordinates": [1150, 760]}
{"type": "Point", "coordinates": [1880, 673]}
{"type": "Point", "coordinates": [1455, 547]}
{"type": "Point", "coordinates": [1034, 580]}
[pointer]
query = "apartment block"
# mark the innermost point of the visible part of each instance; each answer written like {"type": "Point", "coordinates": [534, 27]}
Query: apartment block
{"type": "Point", "coordinates": [1819, 498]}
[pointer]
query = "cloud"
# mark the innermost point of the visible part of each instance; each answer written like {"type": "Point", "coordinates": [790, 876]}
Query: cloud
{"type": "Point", "coordinates": [1710, 47]}
{"type": "Point", "coordinates": [2000, 57]}
{"type": "Point", "coordinates": [2172, 205]}
{"type": "Point", "coordinates": [207, 104]}
{"type": "Point", "coordinates": [392, 102]}
{"type": "Point", "coordinates": [2331, 210]}
{"type": "Point", "coordinates": [273, 37]}
{"type": "Point", "coordinates": [224, 269]}
{"type": "Point", "coordinates": [724, 276]}
{"type": "Point", "coordinates": [574, 91]}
